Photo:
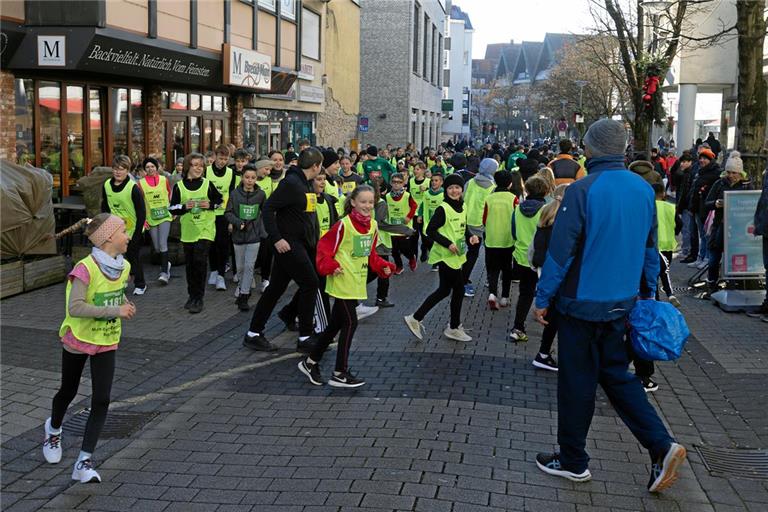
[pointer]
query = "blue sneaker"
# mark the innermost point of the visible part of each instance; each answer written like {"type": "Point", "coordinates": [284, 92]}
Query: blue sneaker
{"type": "Point", "coordinates": [469, 290]}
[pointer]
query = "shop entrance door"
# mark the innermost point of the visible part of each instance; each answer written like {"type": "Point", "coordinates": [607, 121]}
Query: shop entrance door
{"type": "Point", "coordinates": [264, 137]}
{"type": "Point", "coordinates": [177, 140]}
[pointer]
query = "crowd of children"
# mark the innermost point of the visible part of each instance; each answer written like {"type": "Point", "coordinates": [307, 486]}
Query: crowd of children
{"type": "Point", "coordinates": [365, 212]}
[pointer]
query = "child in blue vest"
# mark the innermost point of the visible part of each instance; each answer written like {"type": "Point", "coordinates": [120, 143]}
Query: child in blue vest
{"type": "Point", "coordinates": [95, 305]}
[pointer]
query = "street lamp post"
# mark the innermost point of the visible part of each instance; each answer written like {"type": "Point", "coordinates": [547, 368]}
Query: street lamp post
{"type": "Point", "coordinates": [580, 120]}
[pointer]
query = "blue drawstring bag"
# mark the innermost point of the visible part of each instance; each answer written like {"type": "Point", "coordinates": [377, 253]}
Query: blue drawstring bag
{"type": "Point", "coordinates": [658, 330]}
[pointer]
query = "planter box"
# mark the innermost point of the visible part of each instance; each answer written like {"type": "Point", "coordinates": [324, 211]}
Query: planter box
{"type": "Point", "coordinates": [11, 278]}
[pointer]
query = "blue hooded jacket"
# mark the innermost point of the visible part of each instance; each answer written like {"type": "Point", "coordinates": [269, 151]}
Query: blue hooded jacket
{"type": "Point", "coordinates": [603, 240]}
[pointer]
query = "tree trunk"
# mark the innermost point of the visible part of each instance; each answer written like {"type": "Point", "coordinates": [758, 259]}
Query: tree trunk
{"type": "Point", "coordinates": [750, 128]}
{"type": "Point", "coordinates": [641, 126]}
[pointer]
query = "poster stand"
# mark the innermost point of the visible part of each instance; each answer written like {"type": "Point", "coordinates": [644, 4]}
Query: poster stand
{"type": "Point", "coordinates": [742, 253]}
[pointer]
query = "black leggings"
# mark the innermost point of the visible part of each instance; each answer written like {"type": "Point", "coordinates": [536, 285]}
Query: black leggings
{"type": "Point", "coordinates": [220, 248]}
{"type": "Point", "coordinates": [499, 261]}
{"type": "Point", "coordinates": [528, 279]}
{"type": "Point", "coordinates": [550, 331]}
{"type": "Point", "coordinates": [451, 283]}
{"type": "Point", "coordinates": [195, 256]}
{"type": "Point", "coordinates": [133, 255]}
{"type": "Point", "coordinates": [473, 252]}
{"type": "Point", "coordinates": [344, 323]}
{"type": "Point", "coordinates": [382, 285]}
{"type": "Point", "coordinates": [102, 372]}
{"type": "Point", "coordinates": [401, 245]}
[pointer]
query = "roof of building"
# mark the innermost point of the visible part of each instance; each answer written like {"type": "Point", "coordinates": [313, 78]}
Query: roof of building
{"type": "Point", "coordinates": [458, 14]}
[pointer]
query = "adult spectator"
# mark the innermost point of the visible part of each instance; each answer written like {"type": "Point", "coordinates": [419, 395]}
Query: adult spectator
{"type": "Point", "coordinates": [565, 168]}
{"type": "Point", "coordinates": [714, 144]}
{"type": "Point", "coordinates": [761, 229]}
{"type": "Point", "coordinates": [292, 229]}
{"type": "Point", "coordinates": [603, 242]}
{"type": "Point", "coordinates": [684, 178]}
{"type": "Point", "coordinates": [376, 166]}
{"type": "Point", "coordinates": [709, 173]}
{"type": "Point", "coordinates": [645, 169]}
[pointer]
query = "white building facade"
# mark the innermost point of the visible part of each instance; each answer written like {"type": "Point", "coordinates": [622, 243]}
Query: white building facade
{"type": "Point", "coordinates": [458, 77]}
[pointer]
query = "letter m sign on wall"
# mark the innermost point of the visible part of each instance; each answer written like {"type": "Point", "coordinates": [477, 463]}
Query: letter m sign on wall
{"type": "Point", "coordinates": [51, 51]}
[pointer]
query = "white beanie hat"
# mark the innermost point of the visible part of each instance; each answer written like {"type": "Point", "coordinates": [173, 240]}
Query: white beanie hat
{"type": "Point", "coordinates": [734, 164]}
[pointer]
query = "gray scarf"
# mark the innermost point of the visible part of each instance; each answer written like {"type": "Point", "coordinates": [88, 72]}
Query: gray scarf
{"type": "Point", "coordinates": [112, 267]}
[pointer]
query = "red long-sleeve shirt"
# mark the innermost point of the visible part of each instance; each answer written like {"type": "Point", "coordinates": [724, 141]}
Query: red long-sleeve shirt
{"type": "Point", "coordinates": [329, 245]}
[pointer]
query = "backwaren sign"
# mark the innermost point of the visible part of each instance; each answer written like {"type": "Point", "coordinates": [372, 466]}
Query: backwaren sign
{"type": "Point", "coordinates": [247, 68]}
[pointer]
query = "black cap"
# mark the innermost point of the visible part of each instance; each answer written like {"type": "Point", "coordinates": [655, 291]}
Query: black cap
{"type": "Point", "coordinates": [372, 150]}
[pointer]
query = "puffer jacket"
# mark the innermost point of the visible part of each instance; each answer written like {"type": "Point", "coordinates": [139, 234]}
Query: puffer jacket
{"type": "Point", "coordinates": [253, 231]}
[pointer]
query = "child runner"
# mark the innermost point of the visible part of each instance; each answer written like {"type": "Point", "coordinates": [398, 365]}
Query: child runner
{"type": "Point", "coordinates": [447, 228]}
{"type": "Point", "coordinates": [349, 179]}
{"type": "Point", "coordinates": [223, 178]}
{"type": "Point", "coordinates": [429, 204]}
{"type": "Point", "coordinates": [264, 259]}
{"type": "Point", "coordinates": [524, 222]}
{"type": "Point", "coordinates": [401, 209]}
{"type": "Point", "coordinates": [157, 196]}
{"type": "Point", "coordinates": [344, 255]}
{"type": "Point", "coordinates": [475, 192]}
{"type": "Point", "coordinates": [538, 253]}
{"type": "Point", "coordinates": [95, 305]}
{"type": "Point", "coordinates": [669, 225]}
{"type": "Point", "coordinates": [497, 219]}
{"type": "Point", "coordinates": [241, 158]}
{"type": "Point", "coordinates": [194, 199]}
{"type": "Point", "coordinates": [244, 216]}
{"type": "Point", "coordinates": [417, 187]}
{"type": "Point", "coordinates": [123, 198]}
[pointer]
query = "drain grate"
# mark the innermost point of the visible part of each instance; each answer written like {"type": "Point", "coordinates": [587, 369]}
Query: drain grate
{"type": "Point", "coordinates": [119, 424]}
{"type": "Point", "coordinates": [735, 462]}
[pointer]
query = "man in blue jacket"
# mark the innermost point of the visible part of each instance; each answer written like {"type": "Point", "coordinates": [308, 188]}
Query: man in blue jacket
{"type": "Point", "coordinates": [604, 242]}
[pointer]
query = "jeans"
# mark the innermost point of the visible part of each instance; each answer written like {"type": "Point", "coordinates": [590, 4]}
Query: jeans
{"type": "Point", "coordinates": [713, 272]}
{"type": "Point", "coordinates": [688, 222]}
{"type": "Point", "coordinates": [703, 239]}
{"type": "Point", "coordinates": [593, 353]}
{"type": "Point", "coordinates": [245, 258]}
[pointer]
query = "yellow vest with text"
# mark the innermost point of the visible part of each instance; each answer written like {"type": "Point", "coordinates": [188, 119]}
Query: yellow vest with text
{"type": "Point", "coordinates": [121, 204]}
{"type": "Point", "coordinates": [197, 223]}
{"type": "Point", "coordinates": [397, 211]}
{"type": "Point", "coordinates": [157, 201]}
{"type": "Point", "coordinates": [498, 223]}
{"type": "Point", "coordinates": [222, 185]}
{"type": "Point", "coordinates": [454, 229]}
{"type": "Point", "coordinates": [352, 255]}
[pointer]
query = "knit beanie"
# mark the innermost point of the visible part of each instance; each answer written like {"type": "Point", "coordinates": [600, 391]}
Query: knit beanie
{"type": "Point", "coordinates": [453, 179]}
{"type": "Point", "coordinates": [707, 153]}
{"type": "Point", "coordinates": [150, 160]}
{"type": "Point", "coordinates": [458, 161]}
{"type": "Point", "coordinates": [606, 137]}
{"type": "Point", "coordinates": [329, 158]}
{"type": "Point", "coordinates": [372, 150]}
{"type": "Point", "coordinates": [488, 166]}
{"type": "Point", "coordinates": [502, 179]}
{"type": "Point", "coordinates": [734, 164]}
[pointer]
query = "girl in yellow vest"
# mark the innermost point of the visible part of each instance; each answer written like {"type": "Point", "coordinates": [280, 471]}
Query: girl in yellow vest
{"type": "Point", "coordinates": [221, 176]}
{"type": "Point", "coordinates": [448, 229]}
{"type": "Point", "coordinates": [497, 219]}
{"type": "Point", "coordinates": [433, 198]}
{"type": "Point", "coordinates": [417, 187]}
{"type": "Point", "coordinates": [194, 200]}
{"type": "Point", "coordinates": [95, 305]}
{"type": "Point", "coordinates": [344, 255]}
{"type": "Point", "coordinates": [524, 222]}
{"type": "Point", "coordinates": [123, 198]}
{"type": "Point", "coordinates": [401, 209]}
{"type": "Point", "coordinates": [157, 196]}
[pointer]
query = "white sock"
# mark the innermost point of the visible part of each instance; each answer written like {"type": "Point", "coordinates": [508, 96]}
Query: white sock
{"type": "Point", "coordinates": [251, 334]}
{"type": "Point", "coordinates": [50, 430]}
{"type": "Point", "coordinates": [84, 456]}
{"type": "Point", "coordinates": [310, 361]}
{"type": "Point", "coordinates": [303, 338]}
{"type": "Point", "coordinates": [543, 355]}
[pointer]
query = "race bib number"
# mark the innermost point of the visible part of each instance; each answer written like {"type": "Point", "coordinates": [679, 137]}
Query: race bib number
{"type": "Point", "coordinates": [311, 202]}
{"type": "Point", "coordinates": [361, 245]}
{"type": "Point", "coordinates": [348, 186]}
{"type": "Point", "coordinates": [462, 245]}
{"type": "Point", "coordinates": [158, 213]}
{"type": "Point", "coordinates": [397, 221]}
{"type": "Point", "coordinates": [249, 211]}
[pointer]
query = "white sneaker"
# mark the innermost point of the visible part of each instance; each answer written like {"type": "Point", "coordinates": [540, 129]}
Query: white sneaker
{"type": "Point", "coordinates": [694, 264]}
{"type": "Point", "coordinates": [364, 311]}
{"type": "Point", "coordinates": [140, 291]}
{"type": "Point", "coordinates": [493, 302]}
{"type": "Point", "coordinates": [457, 334]}
{"type": "Point", "coordinates": [702, 265]}
{"type": "Point", "coordinates": [674, 301]}
{"type": "Point", "coordinates": [84, 472]}
{"type": "Point", "coordinates": [504, 302]}
{"type": "Point", "coordinates": [163, 278]}
{"type": "Point", "coordinates": [264, 285]}
{"type": "Point", "coordinates": [51, 444]}
{"type": "Point", "coordinates": [414, 326]}
{"type": "Point", "coordinates": [213, 277]}
{"type": "Point", "coordinates": [220, 283]}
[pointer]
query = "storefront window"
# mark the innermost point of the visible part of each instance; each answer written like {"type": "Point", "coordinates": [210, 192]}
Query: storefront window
{"type": "Point", "coordinates": [218, 133]}
{"type": "Point", "coordinates": [137, 127]}
{"type": "Point", "coordinates": [218, 104]}
{"type": "Point", "coordinates": [206, 103]}
{"type": "Point", "coordinates": [164, 103]}
{"type": "Point", "coordinates": [226, 104]}
{"type": "Point", "coordinates": [208, 133]}
{"type": "Point", "coordinates": [75, 134]}
{"type": "Point", "coordinates": [119, 108]}
{"type": "Point", "coordinates": [50, 131]}
{"type": "Point", "coordinates": [194, 134]}
{"type": "Point", "coordinates": [194, 102]}
{"type": "Point", "coordinates": [178, 101]}
{"type": "Point", "coordinates": [25, 126]}
{"type": "Point", "coordinates": [178, 139]}
{"type": "Point", "coordinates": [94, 127]}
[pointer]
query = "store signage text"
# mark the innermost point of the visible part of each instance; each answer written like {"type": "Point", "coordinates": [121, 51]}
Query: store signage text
{"type": "Point", "coordinates": [147, 61]}
{"type": "Point", "coordinates": [51, 51]}
{"type": "Point", "coordinates": [246, 68]}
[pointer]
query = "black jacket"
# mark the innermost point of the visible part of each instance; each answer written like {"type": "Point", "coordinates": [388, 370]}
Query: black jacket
{"type": "Point", "coordinates": [707, 177]}
{"type": "Point", "coordinates": [541, 245]}
{"type": "Point", "coordinates": [285, 213]}
{"type": "Point", "coordinates": [717, 191]}
{"type": "Point", "coordinates": [683, 191]}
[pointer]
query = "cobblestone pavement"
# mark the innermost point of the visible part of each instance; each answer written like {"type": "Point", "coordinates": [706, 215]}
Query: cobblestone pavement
{"type": "Point", "coordinates": [441, 426]}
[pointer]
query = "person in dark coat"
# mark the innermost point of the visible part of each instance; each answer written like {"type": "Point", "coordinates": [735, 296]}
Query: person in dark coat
{"type": "Point", "coordinates": [709, 173]}
{"type": "Point", "coordinates": [761, 229]}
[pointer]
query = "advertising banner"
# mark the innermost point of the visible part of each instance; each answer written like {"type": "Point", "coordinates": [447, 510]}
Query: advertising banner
{"type": "Point", "coordinates": [743, 251]}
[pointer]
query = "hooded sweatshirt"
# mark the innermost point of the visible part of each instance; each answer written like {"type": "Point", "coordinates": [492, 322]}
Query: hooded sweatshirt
{"type": "Point", "coordinates": [647, 171]}
{"type": "Point", "coordinates": [253, 230]}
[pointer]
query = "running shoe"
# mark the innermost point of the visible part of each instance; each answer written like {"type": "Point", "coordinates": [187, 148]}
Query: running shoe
{"type": "Point", "coordinates": [545, 363]}
{"type": "Point", "coordinates": [51, 444]}
{"type": "Point", "coordinates": [416, 328]}
{"type": "Point", "coordinates": [550, 464]}
{"type": "Point", "coordinates": [457, 334]}
{"type": "Point", "coordinates": [518, 336]}
{"type": "Point", "coordinates": [84, 472]}
{"type": "Point", "coordinates": [493, 302]}
{"type": "Point", "coordinates": [345, 380]}
{"type": "Point", "coordinates": [312, 371]}
{"type": "Point", "coordinates": [664, 471]}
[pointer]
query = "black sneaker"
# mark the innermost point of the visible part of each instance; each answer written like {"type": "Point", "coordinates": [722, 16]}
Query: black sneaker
{"type": "Point", "coordinates": [550, 463]}
{"type": "Point", "coordinates": [760, 312]}
{"type": "Point", "coordinates": [649, 384]}
{"type": "Point", "coordinates": [189, 303]}
{"type": "Point", "coordinates": [345, 380]}
{"type": "Point", "coordinates": [545, 363]}
{"type": "Point", "coordinates": [688, 259]}
{"type": "Point", "coordinates": [196, 306]}
{"type": "Point", "coordinates": [384, 303]}
{"type": "Point", "coordinates": [306, 346]}
{"type": "Point", "coordinates": [290, 323]}
{"type": "Point", "coordinates": [664, 470]}
{"type": "Point", "coordinates": [311, 371]}
{"type": "Point", "coordinates": [424, 256]}
{"type": "Point", "coordinates": [258, 342]}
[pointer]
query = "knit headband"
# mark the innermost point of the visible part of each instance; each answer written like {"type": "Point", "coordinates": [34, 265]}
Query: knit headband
{"type": "Point", "coordinates": [108, 228]}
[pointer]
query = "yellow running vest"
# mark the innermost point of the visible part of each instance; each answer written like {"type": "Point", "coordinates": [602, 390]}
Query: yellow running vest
{"type": "Point", "coordinates": [102, 291]}
{"type": "Point", "coordinates": [121, 204]}
{"type": "Point", "coordinates": [397, 211]}
{"type": "Point", "coordinates": [197, 223]}
{"type": "Point", "coordinates": [498, 223]}
{"type": "Point", "coordinates": [454, 229]}
{"type": "Point", "coordinates": [222, 185]}
{"type": "Point", "coordinates": [352, 255]}
{"type": "Point", "coordinates": [156, 199]}
{"type": "Point", "coordinates": [474, 200]}
{"type": "Point", "coordinates": [323, 212]}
